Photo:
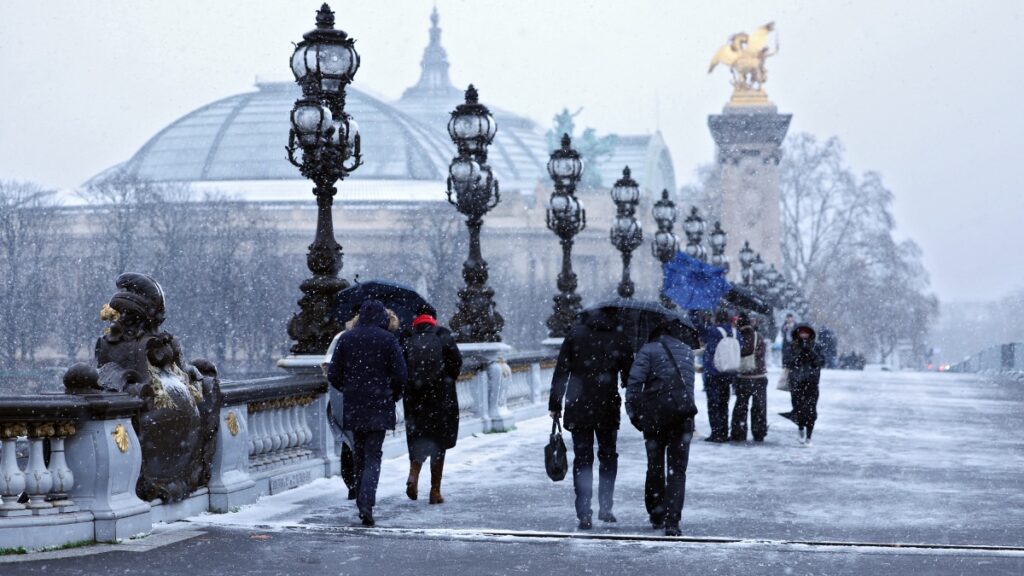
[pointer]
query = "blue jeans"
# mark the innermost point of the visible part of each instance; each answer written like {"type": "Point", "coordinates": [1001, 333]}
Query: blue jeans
{"type": "Point", "coordinates": [583, 468]}
{"type": "Point", "coordinates": [366, 454]}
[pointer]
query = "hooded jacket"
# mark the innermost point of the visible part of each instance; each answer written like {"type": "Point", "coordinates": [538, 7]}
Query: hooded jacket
{"type": "Point", "coordinates": [653, 373]}
{"type": "Point", "coordinates": [805, 359]}
{"type": "Point", "coordinates": [595, 357]}
{"type": "Point", "coordinates": [369, 369]}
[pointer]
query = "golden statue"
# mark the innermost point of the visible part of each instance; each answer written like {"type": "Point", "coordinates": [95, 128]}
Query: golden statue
{"type": "Point", "coordinates": [745, 54]}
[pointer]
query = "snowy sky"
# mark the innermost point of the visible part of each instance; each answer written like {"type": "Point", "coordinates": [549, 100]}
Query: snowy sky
{"type": "Point", "coordinates": [921, 91]}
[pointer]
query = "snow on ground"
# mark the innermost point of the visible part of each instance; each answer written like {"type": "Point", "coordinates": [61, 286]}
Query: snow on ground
{"type": "Point", "coordinates": [897, 457]}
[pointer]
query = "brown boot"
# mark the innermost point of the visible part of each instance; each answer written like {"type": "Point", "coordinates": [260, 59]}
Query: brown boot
{"type": "Point", "coordinates": [412, 484]}
{"type": "Point", "coordinates": [436, 469]}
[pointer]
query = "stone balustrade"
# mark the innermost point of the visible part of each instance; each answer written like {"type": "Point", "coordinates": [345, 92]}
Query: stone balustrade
{"type": "Point", "coordinates": [69, 463]}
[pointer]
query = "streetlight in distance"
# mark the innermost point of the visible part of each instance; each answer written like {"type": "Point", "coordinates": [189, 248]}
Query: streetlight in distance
{"type": "Point", "coordinates": [693, 226]}
{"type": "Point", "coordinates": [746, 259]}
{"type": "Point", "coordinates": [566, 218]}
{"type": "Point", "coordinates": [666, 243]}
{"type": "Point", "coordinates": [626, 233]}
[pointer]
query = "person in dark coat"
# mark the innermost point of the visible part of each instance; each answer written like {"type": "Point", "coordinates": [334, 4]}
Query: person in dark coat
{"type": "Point", "coordinates": [717, 384]}
{"type": "Point", "coordinates": [660, 403]}
{"type": "Point", "coordinates": [368, 368]}
{"type": "Point", "coordinates": [431, 402]}
{"type": "Point", "coordinates": [593, 359]}
{"type": "Point", "coordinates": [804, 364]}
{"type": "Point", "coordinates": [751, 385]}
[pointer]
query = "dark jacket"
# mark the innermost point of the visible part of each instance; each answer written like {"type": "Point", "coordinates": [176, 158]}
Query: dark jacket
{"type": "Point", "coordinates": [711, 335]}
{"type": "Point", "coordinates": [594, 357]}
{"type": "Point", "coordinates": [652, 373]}
{"type": "Point", "coordinates": [432, 406]}
{"type": "Point", "coordinates": [368, 368]}
{"type": "Point", "coordinates": [805, 359]}
{"type": "Point", "coordinates": [749, 344]}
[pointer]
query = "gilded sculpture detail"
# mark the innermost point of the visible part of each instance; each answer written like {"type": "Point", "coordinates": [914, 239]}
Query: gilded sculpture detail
{"type": "Point", "coordinates": [745, 55]}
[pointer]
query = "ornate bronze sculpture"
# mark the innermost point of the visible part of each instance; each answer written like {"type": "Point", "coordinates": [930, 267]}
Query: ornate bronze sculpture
{"type": "Point", "coordinates": [745, 55]}
{"type": "Point", "coordinates": [178, 429]}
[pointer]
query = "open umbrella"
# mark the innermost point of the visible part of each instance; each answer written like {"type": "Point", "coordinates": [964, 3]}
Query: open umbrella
{"type": "Point", "coordinates": [639, 317]}
{"type": "Point", "coordinates": [748, 300]}
{"type": "Point", "coordinates": [401, 299]}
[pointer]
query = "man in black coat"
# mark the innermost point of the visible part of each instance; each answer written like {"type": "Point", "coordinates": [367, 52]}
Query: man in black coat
{"type": "Point", "coordinates": [660, 403]}
{"type": "Point", "coordinates": [593, 359]}
{"type": "Point", "coordinates": [431, 401]}
{"type": "Point", "coordinates": [368, 368]}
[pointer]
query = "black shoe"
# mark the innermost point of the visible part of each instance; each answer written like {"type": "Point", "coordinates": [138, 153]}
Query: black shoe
{"type": "Point", "coordinates": [737, 439]}
{"type": "Point", "coordinates": [352, 493]}
{"type": "Point", "coordinates": [585, 523]}
{"type": "Point", "coordinates": [758, 438]}
{"type": "Point", "coordinates": [367, 519]}
{"type": "Point", "coordinates": [716, 439]}
{"type": "Point", "coordinates": [673, 531]}
{"type": "Point", "coordinates": [657, 522]}
{"type": "Point", "coordinates": [606, 517]}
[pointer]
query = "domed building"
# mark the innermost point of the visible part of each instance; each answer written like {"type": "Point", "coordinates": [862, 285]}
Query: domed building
{"type": "Point", "coordinates": [236, 146]}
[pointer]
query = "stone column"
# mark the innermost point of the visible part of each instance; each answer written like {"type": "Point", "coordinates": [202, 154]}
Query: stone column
{"type": "Point", "coordinates": [748, 138]}
{"type": "Point", "coordinates": [230, 484]}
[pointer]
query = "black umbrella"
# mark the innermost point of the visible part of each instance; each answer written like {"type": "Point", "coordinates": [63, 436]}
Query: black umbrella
{"type": "Point", "coordinates": [639, 317]}
{"type": "Point", "coordinates": [402, 300]}
{"type": "Point", "coordinates": [744, 298]}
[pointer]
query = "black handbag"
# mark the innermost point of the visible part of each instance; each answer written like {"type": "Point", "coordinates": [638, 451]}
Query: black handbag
{"type": "Point", "coordinates": [555, 461]}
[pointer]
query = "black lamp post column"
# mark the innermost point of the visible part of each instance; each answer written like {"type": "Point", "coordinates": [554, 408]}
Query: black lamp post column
{"type": "Point", "coordinates": [626, 233]}
{"type": "Point", "coordinates": [666, 243]}
{"type": "Point", "coordinates": [566, 218]}
{"type": "Point", "coordinates": [473, 191]}
{"type": "Point", "coordinates": [693, 226]}
{"type": "Point", "coordinates": [718, 241]}
{"type": "Point", "coordinates": [324, 145]}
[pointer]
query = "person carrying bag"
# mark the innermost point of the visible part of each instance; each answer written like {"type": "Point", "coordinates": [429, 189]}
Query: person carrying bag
{"type": "Point", "coordinates": [660, 403]}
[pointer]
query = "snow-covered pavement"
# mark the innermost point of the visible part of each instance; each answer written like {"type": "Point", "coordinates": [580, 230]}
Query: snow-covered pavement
{"type": "Point", "coordinates": [898, 458]}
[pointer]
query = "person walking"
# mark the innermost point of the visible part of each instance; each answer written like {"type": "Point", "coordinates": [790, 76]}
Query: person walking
{"type": "Point", "coordinates": [719, 375]}
{"type": "Point", "coordinates": [593, 359]}
{"type": "Point", "coordinates": [660, 403]}
{"type": "Point", "coordinates": [431, 401]}
{"type": "Point", "coordinates": [751, 385]}
{"type": "Point", "coordinates": [368, 368]}
{"type": "Point", "coordinates": [804, 364]}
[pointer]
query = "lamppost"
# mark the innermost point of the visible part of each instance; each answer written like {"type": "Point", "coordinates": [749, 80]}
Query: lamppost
{"type": "Point", "coordinates": [626, 233]}
{"type": "Point", "coordinates": [759, 267]}
{"type": "Point", "coordinates": [666, 243]}
{"type": "Point", "coordinates": [746, 259]}
{"type": "Point", "coordinates": [475, 191]}
{"type": "Point", "coordinates": [774, 288]}
{"type": "Point", "coordinates": [324, 145]}
{"type": "Point", "coordinates": [693, 226]}
{"type": "Point", "coordinates": [566, 218]}
{"type": "Point", "coordinates": [718, 240]}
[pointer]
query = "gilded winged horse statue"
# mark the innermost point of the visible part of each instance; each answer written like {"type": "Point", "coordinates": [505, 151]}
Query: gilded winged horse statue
{"type": "Point", "coordinates": [745, 55]}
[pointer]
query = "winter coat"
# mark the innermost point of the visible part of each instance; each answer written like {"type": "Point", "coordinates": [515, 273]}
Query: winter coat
{"type": "Point", "coordinates": [594, 357]}
{"type": "Point", "coordinates": [805, 359]}
{"type": "Point", "coordinates": [432, 406]}
{"type": "Point", "coordinates": [368, 368]}
{"type": "Point", "coordinates": [711, 336]}
{"type": "Point", "coordinates": [652, 375]}
{"type": "Point", "coordinates": [748, 347]}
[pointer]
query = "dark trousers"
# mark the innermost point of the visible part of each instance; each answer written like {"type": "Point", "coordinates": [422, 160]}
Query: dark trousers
{"type": "Point", "coordinates": [664, 494]}
{"type": "Point", "coordinates": [583, 468]}
{"type": "Point", "coordinates": [752, 394]}
{"type": "Point", "coordinates": [366, 456]}
{"type": "Point", "coordinates": [804, 395]}
{"type": "Point", "coordinates": [717, 388]}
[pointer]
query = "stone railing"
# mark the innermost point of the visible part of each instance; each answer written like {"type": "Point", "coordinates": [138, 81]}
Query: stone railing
{"type": "Point", "coordinates": [1001, 358]}
{"type": "Point", "coordinates": [69, 464]}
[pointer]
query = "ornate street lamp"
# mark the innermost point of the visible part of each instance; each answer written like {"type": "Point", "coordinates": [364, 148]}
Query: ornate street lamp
{"type": "Point", "coordinates": [774, 287]}
{"type": "Point", "coordinates": [566, 218]}
{"type": "Point", "coordinates": [746, 259]}
{"type": "Point", "coordinates": [473, 191]}
{"type": "Point", "coordinates": [759, 267]}
{"type": "Point", "coordinates": [626, 234]}
{"type": "Point", "coordinates": [718, 240]}
{"type": "Point", "coordinates": [666, 243]}
{"type": "Point", "coordinates": [693, 226]}
{"type": "Point", "coordinates": [324, 145]}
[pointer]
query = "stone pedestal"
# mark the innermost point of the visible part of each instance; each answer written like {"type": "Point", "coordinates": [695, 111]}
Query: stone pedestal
{"type": "Point", "coordinates": [748, 138]}
{"type": "Point", "coordinates": [230, 484]}
{"type": "Point", "coordinates": [491, 391]}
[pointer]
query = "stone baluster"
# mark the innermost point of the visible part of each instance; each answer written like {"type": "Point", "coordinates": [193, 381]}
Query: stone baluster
{"type": "Point", "coordinates": [12, 479]}
{"type": "Point", "coordinates": [307, 432]}
{"type": "Point", "coordinates": [38, 480]}
{"type": "Point", "coordinates": [261, 433]}
{"type": "Point", "coordinates": [277, 439]}
{"type": "Point", "coordinates": [291, 417]}
{"type": "Point", "coordinates": [63, 479]}
{"type": "Point", "coordinates": [252, 433]}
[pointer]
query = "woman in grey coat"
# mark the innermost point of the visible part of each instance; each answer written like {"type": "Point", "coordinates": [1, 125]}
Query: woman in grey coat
{"type": "Point", "coordinates": [659, 402]}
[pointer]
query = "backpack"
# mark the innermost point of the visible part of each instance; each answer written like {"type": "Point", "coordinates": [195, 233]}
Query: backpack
{"type": "Point", "coordinates": [748, 362]}
{"type": "Point", "coordinates": [727, 354]}
{"type": "Point", "coordinates": [424, 360]}
{"type": "Point", "coordinates": [670, 406]}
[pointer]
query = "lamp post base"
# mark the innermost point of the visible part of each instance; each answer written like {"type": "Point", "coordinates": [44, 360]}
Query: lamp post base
{"type": "Point", "coordinates": [315, 326]}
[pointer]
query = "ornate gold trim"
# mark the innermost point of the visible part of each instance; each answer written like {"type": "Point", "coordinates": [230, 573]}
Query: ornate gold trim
{"type": "Point", "coordinates": [232, 422]}
{"type": "Point", "coordinates": [120, 438]}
